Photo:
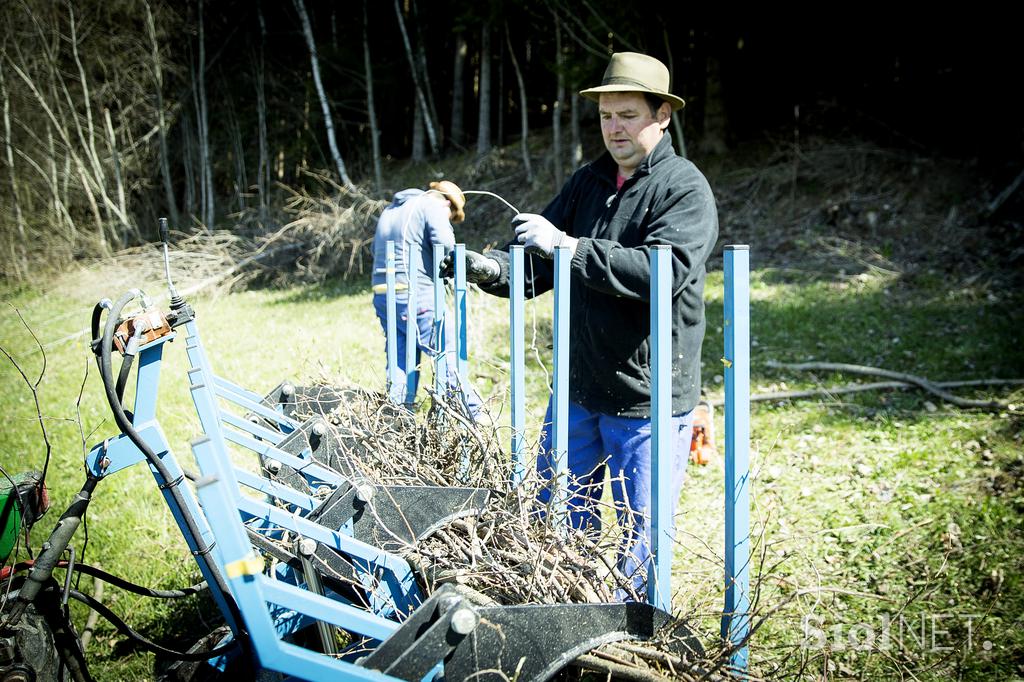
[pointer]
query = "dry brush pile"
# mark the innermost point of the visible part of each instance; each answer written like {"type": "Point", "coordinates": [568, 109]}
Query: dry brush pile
{"type": "Point", "coordinates": [515, 552]}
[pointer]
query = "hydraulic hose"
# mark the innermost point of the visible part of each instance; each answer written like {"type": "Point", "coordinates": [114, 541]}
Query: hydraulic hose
{"type": "Point", "coordinates": [124, 424]}
{"type": "Point", "coordinates": [118, 581]}
{"type": "Point", "coordinates": [149, 644]}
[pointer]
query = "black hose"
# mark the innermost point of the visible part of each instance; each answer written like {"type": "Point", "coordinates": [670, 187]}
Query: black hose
{"type": "Point", "coordinates": [122, 376]}
{"type": "Point", "coordinates": [124, 424]}
{"type": "Point", "coordinates": [146, 643]}
{"type": "Point", "coordinates": [117, 581]}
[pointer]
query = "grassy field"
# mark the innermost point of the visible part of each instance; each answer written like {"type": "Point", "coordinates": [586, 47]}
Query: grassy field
{"type": "Point", "coordinates": [888, 525]}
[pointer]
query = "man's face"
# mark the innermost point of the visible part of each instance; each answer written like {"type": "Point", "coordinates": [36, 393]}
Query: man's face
{"type": "Point", "coordinates": [630, 131]}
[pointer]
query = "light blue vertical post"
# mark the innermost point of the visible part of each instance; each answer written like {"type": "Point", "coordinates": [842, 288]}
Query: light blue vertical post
{"type": "Point", "coordinates": [560, 413]}
{"type": "Point", "coordinates": [440, 361]}
{"type": "Point", "coordinates": [461, 317]}
{"type": "Point", "coordinates": [517, 362]}
{"type": "Point", "coordinates": [412, 262]}
{"type": "Point", "coordinates": [659, 573]}
{"type": "Point", "coordinates": [736, 616]}
{"type": "Point", "coordinates": [391, 322]}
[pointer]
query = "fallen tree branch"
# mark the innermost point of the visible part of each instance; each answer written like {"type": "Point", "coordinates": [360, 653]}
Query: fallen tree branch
{"type": "Point", "coordinates": [875, 386]}
{"type": "Point", "coordinates": [921, 382]}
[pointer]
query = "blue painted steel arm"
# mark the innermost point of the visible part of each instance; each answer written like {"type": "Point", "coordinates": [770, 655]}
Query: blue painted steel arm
{"type": "Point", "coordinates": [517, 362]}
{"type": "Point", "coordinates": [412, 261]}
{"type": "Point", "coordinates": [659, 576]}
{"type": "Point", "coordinates": [440, 361]}
{"type": "Point", "coordinates": [560, 415]}
{"type": "Point", "coordinates": [461, 317]}
{"type": "Point", "coordinates": [736, 616]}
{"type": "Point", "coordinates": [391, 322]}
{"type": "Point", "coordinates": [244, 570]}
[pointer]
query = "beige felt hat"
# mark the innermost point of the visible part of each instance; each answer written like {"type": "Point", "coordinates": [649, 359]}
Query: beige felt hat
{"type": "Point", "coordinates": [635, 72]}
{"type": "Point", "coordinates": [453, 194]}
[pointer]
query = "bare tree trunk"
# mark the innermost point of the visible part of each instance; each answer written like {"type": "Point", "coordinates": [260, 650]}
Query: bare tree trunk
{"type": "Point", "coordinates": [420, 97]}
{"type": "Point", "coordinates": [334, 28]}
{"type": "Point", "coordinates": [502, 97]}
{"type": "Point", "coordinates": [677, 116]}
{"type": "Point", "coordinates": [523, 118]}
{"type": "Point", "coordinates": [419, 149]}
{"type": "Point", "coordinates": [576, 155]}
{"type": "Point", "coordinates": [237, 150]}
{"type": "Point", "coordinates": [188, 145]}
{"type": "Point", "coordinates": [458, 131]}
{"type": "Point", "coordinates": [161, 120]}
{"type": "Point", "coordinates": [205, 162]}
{"type": "Point", "coordinates": [421, 59]}
{"type": "Point", "coordinates": [118, 179]}
{"type": "Point", "coordinates": [60, 209]}
{"type": "Point", "coordinates": [556, 114]}
{"type": "Point", "coordinates": [483, 127]}
{"type": "Point", "coordinates": [371, 109]}
{"type": "Point", "coordinates": [90, 142]}
{"type": "Point", "coordinates": [87, 186]}
{"type": "Point", "coordinates": [9, 152]}
{"type": "Point", "coordinates": [307, 30]}
{"type": "Point", "coordinates": [263, 172]}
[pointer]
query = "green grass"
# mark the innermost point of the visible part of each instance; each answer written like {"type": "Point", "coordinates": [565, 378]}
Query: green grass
{"type": "Point", "coordinates": [872, 506]}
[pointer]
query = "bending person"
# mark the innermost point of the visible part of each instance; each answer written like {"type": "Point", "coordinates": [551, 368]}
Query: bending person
{"type": "Point", "coordinates": [423, 219]}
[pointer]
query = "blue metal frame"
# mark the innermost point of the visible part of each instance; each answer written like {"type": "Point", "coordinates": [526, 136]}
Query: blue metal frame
{"type": "Point", "coordinates": [517, 363]}
{"type": "Point", "coordinates": [253, 591]}
{"type": "Point", "coordinates": [440, 361]}
{"type": "Point", "coordinates": [393, 385]}
{"type": "Point", "coordinates": [736, 614]}
{"type": "Point", "coordinates": [412, 332]}
{"type": "Point", "coordinates": [461, 317]}
{"type": "Point", "coordinates": [659, 574]}
{"type": "Point", "coordinates": [560, 413]}
{"type": "Point", "coordinates": [387, 578]}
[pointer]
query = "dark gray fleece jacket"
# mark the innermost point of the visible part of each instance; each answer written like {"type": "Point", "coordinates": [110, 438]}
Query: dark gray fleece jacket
{"type": "Point", "coordinates": [666, 201]}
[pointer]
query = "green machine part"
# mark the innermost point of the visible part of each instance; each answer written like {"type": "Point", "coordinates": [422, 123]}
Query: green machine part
{"type": "Point", "coordinates": [23, 500]}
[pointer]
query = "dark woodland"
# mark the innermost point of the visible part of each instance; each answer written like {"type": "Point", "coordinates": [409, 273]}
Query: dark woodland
{"type": "Point", "coordinates": [213, 114]}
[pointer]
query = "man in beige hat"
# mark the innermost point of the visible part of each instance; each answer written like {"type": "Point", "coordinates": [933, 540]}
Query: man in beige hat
{"type": "Point", "coordinates": [610, 213]}
{"type": "Point", "coordinates": [421, 219]}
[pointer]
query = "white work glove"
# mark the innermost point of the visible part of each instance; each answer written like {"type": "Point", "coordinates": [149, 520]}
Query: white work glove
{"type": "Point", "coordinates": [539, 236]}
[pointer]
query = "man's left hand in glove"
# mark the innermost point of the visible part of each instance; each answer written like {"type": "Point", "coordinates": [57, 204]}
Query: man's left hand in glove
{"type": "Point", "coordinates": [479, 268]}
{"type": "Point", "coordinates": [540, 236]}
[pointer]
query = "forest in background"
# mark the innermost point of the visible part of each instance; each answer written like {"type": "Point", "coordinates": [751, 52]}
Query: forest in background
{"type": "Point", "coordinates": [221, 115]}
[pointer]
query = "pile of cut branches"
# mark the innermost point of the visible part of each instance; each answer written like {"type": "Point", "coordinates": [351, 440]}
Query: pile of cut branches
{"type": "Point", "coordinates": [518, 550]}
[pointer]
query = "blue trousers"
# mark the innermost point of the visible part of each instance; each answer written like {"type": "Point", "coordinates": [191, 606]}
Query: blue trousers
{"type": "Point", "coordinates": [622, 445]}
{"type": "Point", "coordinates": [425, 343]}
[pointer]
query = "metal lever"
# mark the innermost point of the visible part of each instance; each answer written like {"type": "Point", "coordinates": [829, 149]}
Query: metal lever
{"type": "Point", "coordinates": [165, 237]}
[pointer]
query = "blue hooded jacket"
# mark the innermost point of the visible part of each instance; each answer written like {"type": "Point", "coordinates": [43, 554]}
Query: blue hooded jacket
{"type": "Point", "coordinates": [421, 219]}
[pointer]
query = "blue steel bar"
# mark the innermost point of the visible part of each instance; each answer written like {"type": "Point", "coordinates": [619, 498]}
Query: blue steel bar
{"type": "Point", "coordinates": [461, 317]}
{"type": "Point", "coordinates": [517, 362]}
{"type": "Point", "coordinates": [659, 573]}
{"type": "Point", "coordinates": [560, 413]}
{"type": "Point", "coordinates": [736, 615]}
{"type": "Point", "coordinates": [440, 361]}
{"type": "Point", "coordinates": [412, 261]}
{"type": "Point", "coordinates": [391, 320]}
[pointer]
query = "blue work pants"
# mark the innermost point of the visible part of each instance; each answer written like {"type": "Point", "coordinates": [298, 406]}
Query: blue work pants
{"type": "Point", "coordinates": [623, 446]}
{"type": "Point", "coordinates": [425, 343]}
